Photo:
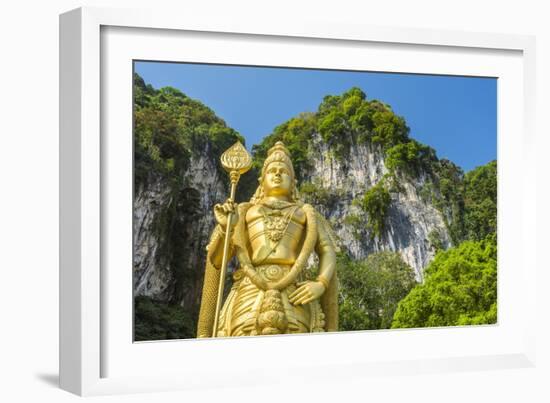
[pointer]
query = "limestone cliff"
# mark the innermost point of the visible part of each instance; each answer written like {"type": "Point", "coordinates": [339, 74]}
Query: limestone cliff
{"type": "Point", "coordinates": [172, 223]}
{"type": "Point", "coordinates": [410, 219]}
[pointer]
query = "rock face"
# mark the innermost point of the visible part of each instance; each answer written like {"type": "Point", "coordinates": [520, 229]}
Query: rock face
{"type": "Point", "coordinates": [172, 225]}
{"type": "Point", "coordinates": [410, 221]}
{"type": "Point", "coordinates": [150, 276]}
{"type": "Point", "coordinates": [173, 221]}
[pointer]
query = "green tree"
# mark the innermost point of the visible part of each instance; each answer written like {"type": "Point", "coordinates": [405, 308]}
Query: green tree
{"type": "Point", "coordinates": [169, 127]}
{"type": "Point", "coordinates": [295, 133]}
{"type": "Point", "coordinates": [409, 157]}
{"type": "Point", "coordinates": [447, 195]}
{"type": "Point", "coordinates": [342, 121]}
{"type": "Point", "coordinates": [480, 201]}
{"type": "Point", "coordinates": [371, 289]}
{"type": "Point", "coordinates": [460, 288]}
{"type": "Point", "coordinates": [333, 126]}
{"type": "Point", "coordinates": [161, 321]}
{"type": "Point", "coordinates": [389, 129]}
{"type": "Point", "coordinates": [375, 203]}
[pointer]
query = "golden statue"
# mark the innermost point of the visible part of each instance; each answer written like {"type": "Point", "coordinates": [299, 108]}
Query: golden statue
{"type": "Point", "coordinates": [273, 237]}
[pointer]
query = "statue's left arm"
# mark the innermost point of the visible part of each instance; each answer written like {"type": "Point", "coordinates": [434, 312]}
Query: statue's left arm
{"type": "Point", "coordinates": [325, 286]}
{"type": "Point", "coordinates": [327, 255]}
{"type": "Point", "coordinates": [326, 249]}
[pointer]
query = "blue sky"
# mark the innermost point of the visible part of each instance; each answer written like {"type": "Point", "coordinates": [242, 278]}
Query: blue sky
{"type": "Point", "coordinates": [454, 115]}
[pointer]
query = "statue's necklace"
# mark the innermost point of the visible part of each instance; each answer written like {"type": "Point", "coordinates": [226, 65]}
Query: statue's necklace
{"type": "Point", "coordinates": [275, 222]}
{"type": "Point", "coordinates": [277, 204]}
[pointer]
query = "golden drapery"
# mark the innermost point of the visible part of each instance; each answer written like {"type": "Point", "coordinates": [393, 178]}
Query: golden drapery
{"type": "Point", "coordinates": [250, 310]}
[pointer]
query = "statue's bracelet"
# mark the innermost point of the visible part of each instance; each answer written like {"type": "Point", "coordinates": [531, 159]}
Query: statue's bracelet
{"type": "Point", "coordinates": [323, 281]}
{"type": "Point", "coordinates": [220, 230]}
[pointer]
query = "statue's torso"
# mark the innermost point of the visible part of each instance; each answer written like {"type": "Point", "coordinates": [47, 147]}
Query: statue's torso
{"type": "Point", "coordinates": [275, 235]}
{"type": "Point", "coordinates": [276, 238]}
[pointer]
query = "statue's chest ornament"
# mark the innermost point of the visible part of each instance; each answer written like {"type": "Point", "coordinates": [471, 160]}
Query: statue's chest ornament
{"type": "Point", "coordinates": [275, 225]}
{"type": "Point", "coordinates": [276, 222]}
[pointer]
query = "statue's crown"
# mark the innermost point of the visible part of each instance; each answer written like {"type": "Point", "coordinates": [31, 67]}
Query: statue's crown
{"type": "Point", "coordinates": [278, 153]}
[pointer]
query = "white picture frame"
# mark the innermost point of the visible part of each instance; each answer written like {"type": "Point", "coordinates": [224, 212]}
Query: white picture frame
{"type": "Point", "coordinates": [97, 357]}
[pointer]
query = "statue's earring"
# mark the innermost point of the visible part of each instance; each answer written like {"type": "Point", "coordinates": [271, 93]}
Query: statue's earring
{"type": "Point", "coordinates": [295, 194]}
{"type": "Point", "coordinates": [260, 190]}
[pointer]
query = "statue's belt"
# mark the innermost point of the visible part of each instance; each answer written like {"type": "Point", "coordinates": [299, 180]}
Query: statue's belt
{"type": "Point", "coordinates": [269, 272]}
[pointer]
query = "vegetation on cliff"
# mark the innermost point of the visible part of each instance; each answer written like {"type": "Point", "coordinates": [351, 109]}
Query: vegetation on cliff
{"type": "Point", "coordinates": [169, 127]}
{"type": "Point", "coordinates": [375, 203]}
{"type": "Point", "coordinates": [157, 320]}
{"type": "Point", "coordinates": [345, 120]}
{"type": "Point", "coordinates": [480, 202]}
{"type": "Point", "coordinates": [468, 201]}
{"type": "Point", "coordinates": [460, 284]}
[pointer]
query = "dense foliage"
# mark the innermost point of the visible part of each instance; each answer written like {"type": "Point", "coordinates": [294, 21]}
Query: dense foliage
{"type": "Point", "coordinates": [447, 195]}
{"type": "Point", "coordinates": [480, 201]}
{"type": "Point", "coordinates": [371, 289]}
{"type": "Point", "coordinates": [460, 284]}
{"type": "Point", "coordinates": [169, 127]}
{"type": "Point", "coordinates": [375, 203]}
{"type": "Point", "coordinates": [460, 288]}
{"type": "Point", "coordinates": [467, 201]}
{"type": "Point", "coordinates": [296, 134]}
{"type": "Point", "coordinates": [155, 320]}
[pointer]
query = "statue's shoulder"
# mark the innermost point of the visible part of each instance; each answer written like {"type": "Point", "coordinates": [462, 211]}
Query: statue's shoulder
{"type": "Point", "coordinates": [244, 207]}
{"type": "Point", "coordinates": [322, 224]}
{"type": "Point", "coordinates": [249, 208]}
{"type": "Point", "coordinates": [302, 205]}
{"type": "Point", "coordinates": [308, 208]}
{"type": "Point", "coordinates": [251, 212]}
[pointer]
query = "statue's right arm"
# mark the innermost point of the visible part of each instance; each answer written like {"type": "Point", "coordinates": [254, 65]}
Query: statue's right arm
{"type": "Point", "coordinates": [214, 249]}
{"type": "Point", "coordinates": [214, 256]}
{"type": "Point", "coordinates": [215, 246]}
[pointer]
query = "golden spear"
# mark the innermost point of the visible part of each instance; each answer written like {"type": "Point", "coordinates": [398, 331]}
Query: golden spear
{"type": "Point", "coordinates": [235, 160]}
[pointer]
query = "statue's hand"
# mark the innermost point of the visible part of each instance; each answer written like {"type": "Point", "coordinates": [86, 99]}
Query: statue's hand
{"type": "Point", "coordinates": [306, 292]}
{"type": "Point", "coordinates": [221, 211]}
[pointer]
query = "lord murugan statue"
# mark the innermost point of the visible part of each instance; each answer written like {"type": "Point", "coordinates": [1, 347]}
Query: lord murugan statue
{"type": "Point", "coordinates": [273, 238]}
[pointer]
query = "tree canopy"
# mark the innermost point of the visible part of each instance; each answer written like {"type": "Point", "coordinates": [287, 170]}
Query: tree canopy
{"type": "Point", "coordinates": [460, 288]}
{"type": "Point", "coordinates": [371, 289]}
{"type": "Point", "coordinates": [169, 126]}
{"type": "Point", "coordinates": [480, 201]}
{"type": "Point", "coordinates": [344, 120]}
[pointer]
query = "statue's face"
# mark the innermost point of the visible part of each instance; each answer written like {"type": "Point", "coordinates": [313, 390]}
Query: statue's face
{"type": "Point", "coordinates": [277, 180]}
